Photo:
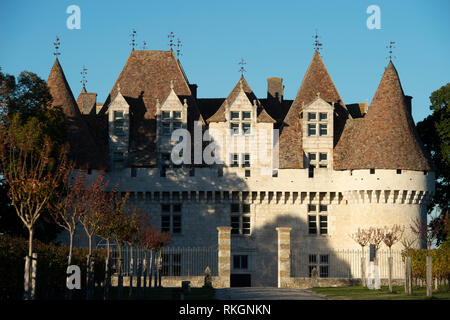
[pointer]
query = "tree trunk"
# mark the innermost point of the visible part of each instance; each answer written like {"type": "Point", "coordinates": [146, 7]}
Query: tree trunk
{"type": "Point", "coordinates": [363, 270]}
{"type": "Point", "coordinates": [429, 277]}
{"type": "Point", "coordinates": [119, 273]}
{"type": "Point", "coordinates": [152, 258]}
{"type": "Point", "coordinates": [130, 293]}
{"type": "Point", "coordinates": [144, 271]}
{"type": "Point", "coordinates": [26, 293]}
{"type": "Point", "coordinates": [390, 273]}
{"type": "Point", "coordinates": [30, 241]}
{"type": "Point", "coordinates": [107, 283]}
{"type": "Point", "coordinates": [90, 244]}
{"type": "Point", "coordinates": [69, 258]}
{"type": "Point", "coordinates": [407, 283]}
{"type": "Point", "coordinates": [33, 275]}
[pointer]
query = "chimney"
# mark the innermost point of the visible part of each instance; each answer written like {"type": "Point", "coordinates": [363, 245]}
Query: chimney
{"type": "Point", "coordinates": [408, 100]}
{"type": "Point", "coordinates": [275, 89]}
{"type": "Point", "coordinates": [193, 88]}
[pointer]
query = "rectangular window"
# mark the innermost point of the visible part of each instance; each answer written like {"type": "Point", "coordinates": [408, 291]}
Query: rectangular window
{"type": "Point", "coordinates": [312, 224]}
{"type": "Point", "coordinates": [246, 162]}
{"type": "Point", "coordinates": [323, 166]}
{"type": "Point", "coordinates": [118, 127]}
{"type": "Point", "coordinates": [177, 207]}
{"type": "Point", "coordinates": [323, 129]}
{"type": "Point", "coordinates": [245, 225]}
{"type": "Point", "coordinates": [372, 171]}
{"type": "Point", "coordinates": [312, 265]}
{"type": "Point", "coordinates": [323, 208]}
{"type": "Point", "coordinates": [245, 208]}
{"type": "Point", "coordinates": [165, 223]}
{"type": "Point", "coordinates": [311, 208]}
{"type": "Point", "coordinates": [311, 129]}
{"type": "Point", "coordinates": [322, 116]}
{"type": "Point", "coordinates": [165, 115]}
{"type": "Point", "coordinates": [312, 156]}
{"type": "Point", "coordinates": [311, 171]}
{"type": "Point", "coordinates": [323, 224]}
{"type": "Point", "coordinates": [324, 266]}
{"type": "Point", "coordinates": [246, 128]}
{"type": "Point", "coordinates": [166, 128]}
{"type": "Point", "coordinates": [234, 128]}
{"type": "Point", "coordinates": [176, 125]}
{"type": "Point", "coordinates": [234, 115]}
{"type": "Point", "coordinates": [312, 116]}
{"type": "Point", "coordinates": [176, 224]}
{"type": "Point", "coordinates": [177, 114]}
{"type": "Point", "coordinates": [235, 208]}
{"type": "Point", "coordinates": [322, 156]}
{"type": "Point", "coordinates": [165, 208]}
{"type": "Point", "coordinates": [246, 115]}
{"type": "Point", "coordinates": [240, 262]}
{"type": "Point", "coordinates": [234, 160]}
{"type": "Point", "coordinates": [235, 224]}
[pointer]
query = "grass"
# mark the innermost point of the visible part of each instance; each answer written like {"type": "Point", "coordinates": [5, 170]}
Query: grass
{"type": "Point", "coordinates": [362, 293]}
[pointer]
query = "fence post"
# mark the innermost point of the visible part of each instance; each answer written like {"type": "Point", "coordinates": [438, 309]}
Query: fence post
{"type": "Point", "coordinates": [224, 255]}
{"type": "Point", "coordinates": [284, 252]}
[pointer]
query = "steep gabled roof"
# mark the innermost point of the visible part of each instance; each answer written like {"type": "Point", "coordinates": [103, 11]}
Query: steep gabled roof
{"type": "Point", "coordinates": [86, 101]}
{"type": "Point", "coordinates": [316, 79]}
{"type": "Point", "coordinates": [145, 78]}
{"type": "Point", "coordinates": [386, 137]}
{"type": "Point", "coordinates": [83, 149]}
{"type": "Point", "coordinates": [219, 115]}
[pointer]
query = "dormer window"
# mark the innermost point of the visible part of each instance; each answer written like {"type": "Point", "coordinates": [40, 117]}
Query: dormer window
{"type": "Point", "coordinates": [171, 120]}
{"type": "Point", "coordinates": [118, 123]}
{"type": "Point", "coordinates": [323, 116]}
{"type": "Point", "coordinates": [311, 129]}
{"type": "Point", "coordinates": [177, 115]}
{"type": "Point", "coordinates": [312, 116]}
{"type": "Point", "coordinates": [323, 129]}
{"type": "Point", "coordinates": [165, 115]}
{"type": "Point", "coordinates": [240, 122]}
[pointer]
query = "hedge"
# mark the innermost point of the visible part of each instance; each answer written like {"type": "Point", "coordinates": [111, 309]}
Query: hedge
{"type": "Point", "coordinates": [51, 267]}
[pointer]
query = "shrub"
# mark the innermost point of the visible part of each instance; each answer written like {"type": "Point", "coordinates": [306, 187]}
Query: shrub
{"type": "Point", "coordinates": [51, 267]}
{"type": "Point", "coordinates": [440, 263]}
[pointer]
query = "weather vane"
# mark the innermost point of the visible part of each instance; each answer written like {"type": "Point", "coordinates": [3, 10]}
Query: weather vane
{"type": "Point", "coordinates": [56, 44]}
{"type": "Point", "coordinates": [242, 69]}
{"type": "Point", "coordinates": [144, 45]}
{"type": "Point", "coordinates": [133, 39]}
{"type": "Point", "coordinates": [171, 36]}
{"type": "Point", "coordinates": [317, 44]}
{"type": "Point", "coordinates": [83, 76]}
{"type": "Point", "coordinates": [179, 46]}
{"type": "Point", "coordinates": [390, 47]}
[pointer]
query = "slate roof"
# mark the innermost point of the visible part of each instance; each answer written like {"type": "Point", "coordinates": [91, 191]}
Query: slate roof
{"type": "Point", "coordinates": [86, 101]}
{"type": "Point", "coordinates": [83, 149]}
{"type": "Point", "coordinates": [386, 137]}
{"type": "Point", "coordinates": [316, 79]}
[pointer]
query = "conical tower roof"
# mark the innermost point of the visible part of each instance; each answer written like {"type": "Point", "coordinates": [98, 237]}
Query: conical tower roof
{"type": "Point", "coordinates": [386, 137]}
{"type": "Point", "coordinates": [83, 149]}
{"type": "Point", "coordinates": [317, 79]}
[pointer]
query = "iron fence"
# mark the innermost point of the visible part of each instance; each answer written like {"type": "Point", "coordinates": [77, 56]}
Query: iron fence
{"type": "Point", "coordinates": [343, 263]}
{"type": "Point", "coordinates": [175, 261]}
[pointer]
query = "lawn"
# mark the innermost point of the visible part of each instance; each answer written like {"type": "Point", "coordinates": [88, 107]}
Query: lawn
{"type": "Point", "coordinates": [362, 293]}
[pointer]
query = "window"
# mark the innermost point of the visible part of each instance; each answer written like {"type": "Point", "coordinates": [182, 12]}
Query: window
{"type": "Point", "coordinates": [165, 115]}
{"type": "Point", "coordinates": [118, 123]}
{"type": "Point", "coordinates": [240, 262]}
{"type": "Point", "coordinates": [176, 125]}
{"type": "Point", "coordinates": [246, 128]}
{"type": "Point", "coordinates": [317, 223]}
{"type": "Point", "coordinates": [322, 156]}
{"type": "Point", "coordinates": [311, 129]}
{"type": "Point", "coordinates": [312, 156]}
{"type": "Point", "coordinates": [323, 130]}
{"type": "Point", "coordinates": [399, 171]}
{"type": "Point", "coordinates": [372, 171]}
{"type": "Point", "coordinates": [312, 225]}
{"type": "Point", "coordinates": [246, 115]}
{"type": "Point", "coordinates": [318, 264]}
{"type": "Point", "coordinates": [177, 114]}
{"type": "Point", "coordinates": [311, 171]}
{"type": "Point", "coordinates": [312, 116]}
{"type": "Point", "coordinates": [234, 115]}
{"type": "Point", "coordinates": [240, 218]}
{"type": "Point", "coordinates": [171, 218]}
{"type": "Point", "coordinates": [372, 252]}
{"type": "Point", "coordinates": [234, 128]}
{"type": "Point", "coordinates": [166, 128]}
{"type": "Point", "coordinates": [234, 160]}
{"type": "Point", "coordinates": [322, 116]}
{"type": "Point", "coordinates": [246, 162]}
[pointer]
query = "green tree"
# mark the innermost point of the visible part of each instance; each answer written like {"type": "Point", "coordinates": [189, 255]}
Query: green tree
{"type": "Point", "coordinates": [434, 132]}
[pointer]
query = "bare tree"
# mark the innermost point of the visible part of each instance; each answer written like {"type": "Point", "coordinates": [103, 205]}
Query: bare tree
{"type": "Point", "coordinates": [362, 237]}
{"type": "Point", "coordinates": [408, 243]}
{"type": "Point", "coordinates": [390, 237]}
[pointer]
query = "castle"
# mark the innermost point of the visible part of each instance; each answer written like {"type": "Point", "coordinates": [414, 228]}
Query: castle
{"type": "Point", "coordinates": [329, 169]}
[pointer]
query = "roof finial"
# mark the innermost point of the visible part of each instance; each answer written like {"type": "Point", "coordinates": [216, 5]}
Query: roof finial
{"type": "Point", "coordinates": [318, 94]}
{"type": "Point", "coordinates": [242, 69]}
{"type": "Point", "coordinates": [171, 36]}
{"type": "Point", "coordinates": [118, 87]}
{"type": "Point", "coordinates": [171, 84]}
{"type": "Point", "coordinates": [390, 47]}
{"type": "Point", "coordinates": [133, 40]}
{"type": "Point", "coordinates": [83, 77]}
{"type": "Point", "coordinates": [241, 84]}
{"type": "Point", "coordinates": [317, 44]}
{"type": "Point", "coordinates": [56, 45]}
{"type": "Point", "coordinates": [144, 45]}
{"type": "Point", "coordinates": [179, 46]}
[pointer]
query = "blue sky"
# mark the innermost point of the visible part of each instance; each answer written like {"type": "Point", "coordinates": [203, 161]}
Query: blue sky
{"type": "Point", "coordinates": [274, 38]}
